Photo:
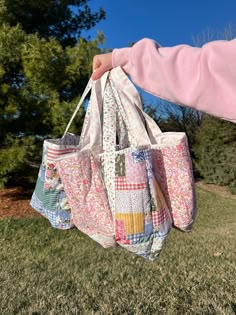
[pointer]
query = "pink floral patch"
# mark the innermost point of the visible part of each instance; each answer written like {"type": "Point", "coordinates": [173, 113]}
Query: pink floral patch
{"type": "Point", "coordinates": [86, 196]}
{"type": "Point", "coordinates": [173, 169]}
{"type": "Point", "coordinates": [135, 172]}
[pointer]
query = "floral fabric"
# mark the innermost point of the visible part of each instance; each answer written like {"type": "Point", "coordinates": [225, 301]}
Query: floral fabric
{"type": "Point", "coordinates": [128, 193]}
{"type": "Point", "coordinates": [172, 163]}
{"type": "Point", "coordinates": [49, 197]}
{"type": "Point", "coordinates": [173, 168]}
{"type": "Point", "coordinates": [142, 218]}
{"type": "Point", "coordinates": [87, 198]}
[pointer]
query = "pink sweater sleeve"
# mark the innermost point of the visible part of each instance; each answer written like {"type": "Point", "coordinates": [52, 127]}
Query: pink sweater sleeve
{"type": "Point", "coordinates": [201, 78]}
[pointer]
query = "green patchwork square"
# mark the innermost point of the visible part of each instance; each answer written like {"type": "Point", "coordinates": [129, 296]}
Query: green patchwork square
{"type": "Point", "coordinates": [48, 198]}
{"type": "Point", "coordinates": [120, 165]}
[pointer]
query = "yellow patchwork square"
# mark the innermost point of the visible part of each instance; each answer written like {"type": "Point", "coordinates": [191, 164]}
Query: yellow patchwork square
{"type": "Point", "coordinates": [134, 222]}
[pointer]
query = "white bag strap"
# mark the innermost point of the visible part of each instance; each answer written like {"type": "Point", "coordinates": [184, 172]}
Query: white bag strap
{"type": "Point", "coordinates": [135, 130]}
{"type": "Point", "coordinates": [132, 105]}
{"type": "Point", "coordinates": [91, 130]}
{"type": "Point", "coordinates": [91, 138]}
{"type": "Point", "coordinates": [134, 122]}
{"type": "Point", "coordinates": [121, 81]}
{"type": "Point", "coordinates": [85, 93]}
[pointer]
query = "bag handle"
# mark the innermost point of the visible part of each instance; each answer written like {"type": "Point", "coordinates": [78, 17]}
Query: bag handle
{"type": "Point", "coordinates": [91, 136]}
{"type": "Point", "coordinates": [122, 82]}
{"type": "Point", "coordinates": [91, 130]}
{"type": "Point", "coordinates": [134, 122]}
{"type": "Point", "coordinates": [109, 124]}
{"type": "Point", "coordinates": [133, 105]}
{"type": "Point", "coordinates": [85, 93]}
{"type": "Point", "coordinates": [112, 105]}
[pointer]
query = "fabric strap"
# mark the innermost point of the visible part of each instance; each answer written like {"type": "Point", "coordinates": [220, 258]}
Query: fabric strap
{"type": "Point", "coordinates": [85, 93]}
{"type": "Point", "coordinates": [91, 131]}
{"type": "Point", "coordinates": [136, 118]}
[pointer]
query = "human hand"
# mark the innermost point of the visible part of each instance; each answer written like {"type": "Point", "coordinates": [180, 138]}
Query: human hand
{"type": "Point", "coordinates": [101, 64]}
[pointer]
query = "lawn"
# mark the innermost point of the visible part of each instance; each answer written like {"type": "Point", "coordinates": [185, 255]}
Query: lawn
{"type": "Point", "coordinates": [47, 271]}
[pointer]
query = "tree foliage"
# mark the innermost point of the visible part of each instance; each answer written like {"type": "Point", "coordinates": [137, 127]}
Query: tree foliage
{"type": "Point", "coordinates": [62, 19]}
{"type": "Point", "coordinates": [215, 151]}
{"type": "Point", "coordinates": [172, 117]}
{"type": "Point", "coordinates": [41, 79]}
{"type": "Point", "coordinates": [216, 139]}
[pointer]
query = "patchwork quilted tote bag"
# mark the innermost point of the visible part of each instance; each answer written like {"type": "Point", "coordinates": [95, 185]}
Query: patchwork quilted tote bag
{"type": "Point", "coordinates": [141, 216]}
{"type": "Point", "coordinates": [49, 197]}
{"type": "Point", "coordinates": [83, 183]}
{"type": "Point", "coordinates": [171, 165]}
{"type": "Point", "coordinates": [111, 189]}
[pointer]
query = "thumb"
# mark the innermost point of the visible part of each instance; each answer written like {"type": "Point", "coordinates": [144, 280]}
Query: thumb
{"type": "Point", "coordinates": [97, 73]}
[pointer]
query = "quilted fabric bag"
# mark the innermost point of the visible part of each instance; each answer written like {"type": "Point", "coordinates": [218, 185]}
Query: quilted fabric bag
{"type": "Point", "coordinates": [135, 215]}
{"type": "Point", "coordinates": [172, 165]}
{"type": "Point", "coordinates": [49, 197]}
{"type": "Point", "coordinates": [83, 183]}
{"type": "Point", "coordinates": [141, 216]}
{"type": "Point", "coordinates": [87, 196]}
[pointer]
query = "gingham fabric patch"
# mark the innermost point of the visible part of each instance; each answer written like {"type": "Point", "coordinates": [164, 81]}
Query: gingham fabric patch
{"type": "Point", "coordinates": [159, 217]}
{"type": "Point", "coordinates": [122, 184]}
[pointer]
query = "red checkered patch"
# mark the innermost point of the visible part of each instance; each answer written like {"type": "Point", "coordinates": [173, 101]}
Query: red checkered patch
{"type": "Point", "coordinates": [159, 217]}
{"type": "Point", "coordinates": [121, 184]}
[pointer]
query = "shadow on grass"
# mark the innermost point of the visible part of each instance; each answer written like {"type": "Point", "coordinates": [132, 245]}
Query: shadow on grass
{"type": "Point", "coordinates": [233, 306]}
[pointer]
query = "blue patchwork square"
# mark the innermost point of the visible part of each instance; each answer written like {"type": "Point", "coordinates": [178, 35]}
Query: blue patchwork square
{"type": "Point", "coordinates": [138, 156]}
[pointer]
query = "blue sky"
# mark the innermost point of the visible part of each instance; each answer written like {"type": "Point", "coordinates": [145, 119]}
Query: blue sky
{"type": "Point", "coordinates": [169, 22]}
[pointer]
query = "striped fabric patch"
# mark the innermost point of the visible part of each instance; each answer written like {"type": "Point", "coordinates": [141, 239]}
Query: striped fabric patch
{"type": "Point", "coordinates": [52, 154]}
{"type": "Point", "coordinates": [133, 222]}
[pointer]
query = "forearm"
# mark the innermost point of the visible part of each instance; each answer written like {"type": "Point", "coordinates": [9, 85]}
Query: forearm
{"type": "Point", "coordinates": [201, 78]}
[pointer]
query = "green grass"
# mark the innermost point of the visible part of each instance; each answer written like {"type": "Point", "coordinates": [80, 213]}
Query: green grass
{"type": "Point", "coordinates": [46, 271]}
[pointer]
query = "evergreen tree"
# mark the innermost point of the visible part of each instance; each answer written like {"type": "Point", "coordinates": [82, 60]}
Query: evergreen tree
{"type": "Point", "coordinates": [216, 151]}
{"type": "Point", "coordinates": [62, 19]}
{"type": "Point", "coordinates": [41, 80]}
{"type": "Point", "coordinates": [172, 117]}
{"type": "Point", "coordinates": [216, 139]}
